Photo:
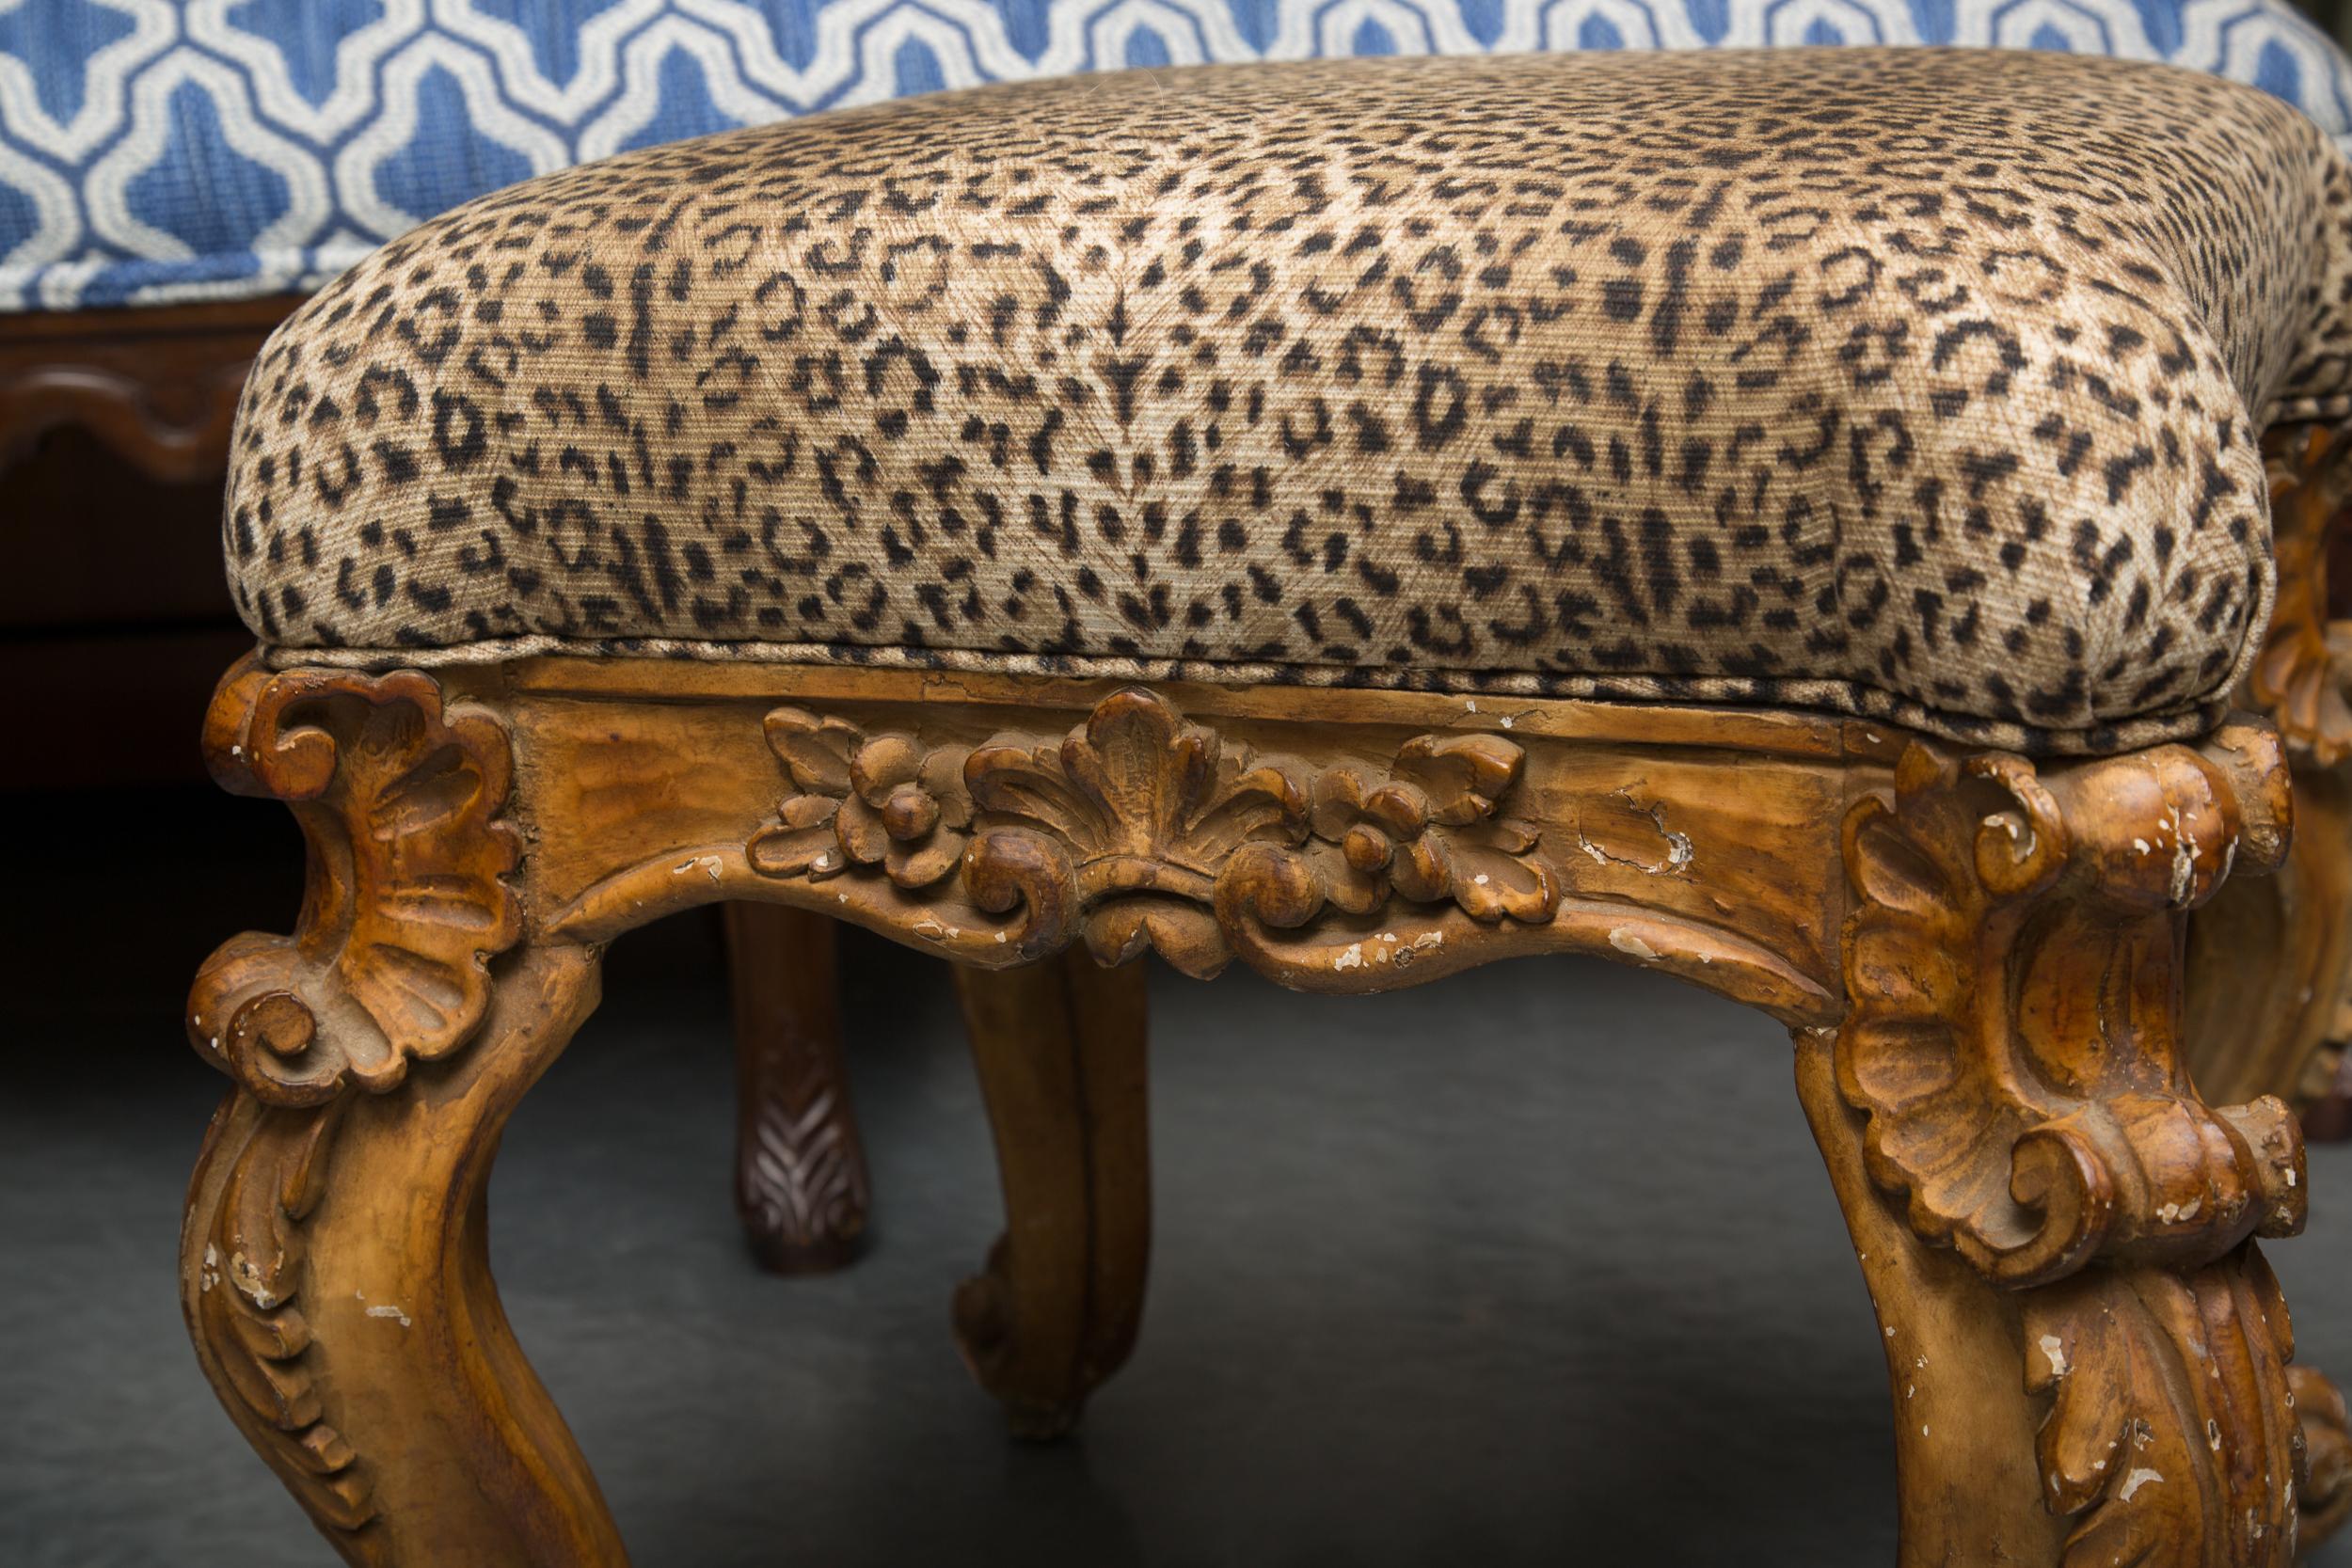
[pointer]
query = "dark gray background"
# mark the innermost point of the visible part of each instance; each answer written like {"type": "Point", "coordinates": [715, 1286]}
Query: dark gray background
{"type": "Point", "coordinates": [1536, 1265]}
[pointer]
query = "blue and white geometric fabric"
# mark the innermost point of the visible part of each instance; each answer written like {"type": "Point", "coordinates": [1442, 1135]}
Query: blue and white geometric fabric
{"type": "Point", "coordinates": [168, 150]}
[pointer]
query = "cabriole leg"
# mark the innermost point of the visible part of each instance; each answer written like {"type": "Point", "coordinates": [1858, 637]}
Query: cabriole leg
{"type": "Point", "coordinates": [336, 1276]}
{"type": "Point", "coordinates": [1059, 1046]}
{"type": "Point", "coordinates": [334, 1263]}
{"type": "Point", "coordinates": [2088, 1354]}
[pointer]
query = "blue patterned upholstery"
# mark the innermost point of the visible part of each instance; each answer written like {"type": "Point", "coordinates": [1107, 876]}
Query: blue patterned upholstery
{"type": "Point", "coordinates": [167, 150]}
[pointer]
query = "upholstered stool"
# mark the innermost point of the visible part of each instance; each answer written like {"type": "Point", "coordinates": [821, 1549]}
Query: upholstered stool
{"type": "Point", "coordinates": [1795, 522]}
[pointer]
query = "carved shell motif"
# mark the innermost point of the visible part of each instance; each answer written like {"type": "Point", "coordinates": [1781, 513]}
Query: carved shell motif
{"type": "Point", "coordinates": [2033, 1125]}
{"type": "Point", "coordinates": [1137, 829]}
{"type": "Point", "coordinates": [406, 897]}
{"type": "Point", "coordinates": [1136, 814]}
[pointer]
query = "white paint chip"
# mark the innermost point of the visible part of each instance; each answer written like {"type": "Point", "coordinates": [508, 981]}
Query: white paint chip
{"type": "Point", "coordinates": [1626, 940]}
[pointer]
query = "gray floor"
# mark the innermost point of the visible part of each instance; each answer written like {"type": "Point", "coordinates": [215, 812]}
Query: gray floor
{"type": "Point", "coordinates": [1535, 1267]}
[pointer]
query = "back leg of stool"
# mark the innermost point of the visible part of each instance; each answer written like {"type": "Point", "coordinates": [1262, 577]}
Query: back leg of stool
{"type": "Point", "coordinates": [800, 1183]}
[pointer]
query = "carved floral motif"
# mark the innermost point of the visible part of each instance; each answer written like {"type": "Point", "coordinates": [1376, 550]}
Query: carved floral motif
{"type": "Point", "coordinates": [864, 801]}
{"type": "Point", "coordinates": [1138, 830]}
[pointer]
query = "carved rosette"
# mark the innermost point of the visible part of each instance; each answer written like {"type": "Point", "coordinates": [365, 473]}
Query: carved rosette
{"type": "Point", "coordinates": [1138, 830]}
{"type": "Point", "coordinates": [406, 901]}
{"type": "Point", "coordinates": [2012, 969]}
{"type": "Point", "coordinates": [2303, 676]}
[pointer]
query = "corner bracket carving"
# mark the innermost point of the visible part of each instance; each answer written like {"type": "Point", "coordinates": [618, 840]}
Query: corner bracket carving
{"type": "Point", "coordinates": [2012, 968]}
{"type": "Point", "coordinates": [405, 896]}
{"type": "Point", "coordinates": [2013, 962]}
{"type": "Point", "coordinates": [404, 902]}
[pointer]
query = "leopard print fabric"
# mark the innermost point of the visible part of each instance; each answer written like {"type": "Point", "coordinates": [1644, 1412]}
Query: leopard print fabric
{"type": "Point", "coordinates": [1917, 384]}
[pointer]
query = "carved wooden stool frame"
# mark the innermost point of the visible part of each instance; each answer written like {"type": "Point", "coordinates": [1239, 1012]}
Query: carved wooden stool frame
{"type": "Point", "coordinates": [1979, 960]}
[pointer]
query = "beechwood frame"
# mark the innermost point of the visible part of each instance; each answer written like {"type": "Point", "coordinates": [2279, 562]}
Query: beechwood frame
{"type": "Point", "coordinates": [1979, 958]}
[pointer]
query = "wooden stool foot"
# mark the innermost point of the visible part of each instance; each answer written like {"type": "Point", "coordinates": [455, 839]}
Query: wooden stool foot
{"type": "Point", "coordinates": [800, 1182]}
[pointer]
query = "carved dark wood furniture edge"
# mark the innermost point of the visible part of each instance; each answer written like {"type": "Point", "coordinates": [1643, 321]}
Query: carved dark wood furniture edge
{"type": "Point", "coordinates": [800, 1182]}
{"type": "Point", "coordinates": [159, 383]}
{"type": "Point", "coordinates": [2036, 1174]}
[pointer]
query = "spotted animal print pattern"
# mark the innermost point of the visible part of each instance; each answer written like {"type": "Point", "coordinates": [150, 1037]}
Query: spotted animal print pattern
{"type": "Point", "coordinates": [1922, 384]}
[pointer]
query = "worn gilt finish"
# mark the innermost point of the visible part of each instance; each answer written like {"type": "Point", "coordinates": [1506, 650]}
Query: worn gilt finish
{"type": "Point", "coordinates": [2012, 974]}
{"type": "Point", "coordinates": [1981, 969]}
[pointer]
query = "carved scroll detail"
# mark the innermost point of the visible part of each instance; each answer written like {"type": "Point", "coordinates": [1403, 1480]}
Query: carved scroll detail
{"type": "Point", "coordinates": [406, 901]}
{"type": "Point", "coordinates": [1137, 831]}
{"type": "Point", "coordinates": [2304, 674]}
{"type": "Point", "coordinates": [405, 898]}
{"type": "Point", "coordinates": [2012, 967]}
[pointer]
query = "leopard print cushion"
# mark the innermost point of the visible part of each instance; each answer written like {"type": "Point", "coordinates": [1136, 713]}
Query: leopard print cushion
{"type": "Point", "coordinates": [1917, 384]}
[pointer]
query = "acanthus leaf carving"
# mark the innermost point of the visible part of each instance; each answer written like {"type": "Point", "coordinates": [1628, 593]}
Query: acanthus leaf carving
{"type": "Point", "coordinates": [1138, 830]}
{"type": "Point", "coordinates": [2172, 1440]}
{"type": "Point", "coordinates": [248, 1305]}
{"type": "Point", "coordinates": [405, 900]}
